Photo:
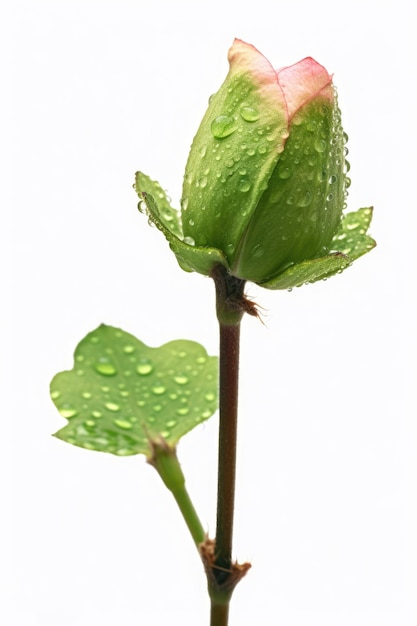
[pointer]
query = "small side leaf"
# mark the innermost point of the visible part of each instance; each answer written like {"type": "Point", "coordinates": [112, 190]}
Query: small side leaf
{"type": "Point", "coordinates": [351, 238]}
{"type": "Point", "coordinates": [121, 394]}
{"type": "Point", "coordinates": [309, 272]}
{"type": "Point", "coordinates": [349, 243]}
{"type": "Point", "coordinates": [167, 220]}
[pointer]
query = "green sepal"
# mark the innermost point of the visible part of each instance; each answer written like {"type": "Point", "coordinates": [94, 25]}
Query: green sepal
{"type": "Point", "coordinates": [349, 243]}
{"type": "Point", "coordinates": [351, 237]}
{"type": "Point", "coordinates": [190, 258]}
{"type": "Point", "coordinates": [309, 272]}
{"type": "Point", "coordinates": [122, 395]}
{"type": "Point", "coordinates": [168, 219]}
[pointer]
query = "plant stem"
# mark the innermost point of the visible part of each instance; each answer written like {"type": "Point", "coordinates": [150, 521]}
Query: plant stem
{"type": "Point", "coordinates": [219, 614]}
{"type": "Point", "coordinates": [165, 461]}
{"type": "Point", "coordinates": [189, 514]}
{"type": "Point", "coordinates": [223, 574]}
{"type": "Point", "coordinates": [228, 403]}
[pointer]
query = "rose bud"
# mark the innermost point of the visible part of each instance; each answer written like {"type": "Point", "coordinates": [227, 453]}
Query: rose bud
{"type": "Point", "coordinates": [265, 183]}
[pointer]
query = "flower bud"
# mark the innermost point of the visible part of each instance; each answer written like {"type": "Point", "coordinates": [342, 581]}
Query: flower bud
{"type": "Point", "coordinates": [265, 182]}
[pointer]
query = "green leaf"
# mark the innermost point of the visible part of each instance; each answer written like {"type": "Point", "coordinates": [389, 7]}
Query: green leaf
{"type": "Point", "coordinates": [121, 394]}
{"type": "Point", "coordinates": [309, 272]}
{"type": "Point", "coordinates": [351, 238]}
{"type": "Point", "coordinates": [167, 220]}
{"type": "Point", "coordinates": [349, 243]}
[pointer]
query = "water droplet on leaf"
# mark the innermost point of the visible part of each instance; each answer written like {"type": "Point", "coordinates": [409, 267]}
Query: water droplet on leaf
{"type": "Point", "coordinates": [181, 380]}
{"type": "Point", "coordinates": [105, 367]}
{"type": "Point", "coordinates": [123, 424]}
{"type": "Point", "coordinates": [144, 368]}
{"type": "Point", "coordinates": [67, 411]}
{"type": "Point", "coordinates": [158, 390]}
{"type": "Point", "coordinates": [112, 406]}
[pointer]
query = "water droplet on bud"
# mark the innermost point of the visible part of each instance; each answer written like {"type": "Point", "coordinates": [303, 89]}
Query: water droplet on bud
{"type": "Point", "coordinates": [249, 114]}
{"type": "Point", "coordinates": [223, 126]}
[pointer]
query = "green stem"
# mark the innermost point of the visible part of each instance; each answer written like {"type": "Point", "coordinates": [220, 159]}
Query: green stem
{"type": "Point", "coordinates": [165, 461]}
{"type": "Point", "coordinates": [190, 516]}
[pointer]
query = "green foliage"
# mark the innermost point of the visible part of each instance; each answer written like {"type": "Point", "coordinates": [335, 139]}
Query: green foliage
{"type": "Point", "coordinates": [154, 202]}
{"type": "Point", "coordinates": [349, 243]}
{"type": "Point", "coordinates": [121, 394]}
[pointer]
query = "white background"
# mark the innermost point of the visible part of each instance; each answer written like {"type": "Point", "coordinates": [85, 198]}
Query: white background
{"type": "Point", "coordinates": [326, 502]}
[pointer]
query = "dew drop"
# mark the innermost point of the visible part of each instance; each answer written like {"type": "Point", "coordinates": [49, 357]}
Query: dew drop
{"type": "Point", "coordinates": [171, 423]}
{"type": "Point", "coordinates": [123, 424]}
{"type": "Point", "coordinates": [306, 199]}
{"type": "Point", "coordinates": [209, 397]}
{"type": "Point", "coordinates": [96, 414]}
{"type": "Point", "coordinates": [112, 406]}
{"type": "Point", "coordinates": [284, 172]}
{"type": "Point", "coordinates": [183, 410]}
{"type": "Point", "coordinates": [257, 251]}
{"type": "Point", "coordinates": [86, 395]}
{"type": "Point", "coordinates": [249, 114]}
{"type": "Point", "coordinates": [67, 411]}
{"type": "Point", "coordinates": [158, 390]}
{"type": "Point", "coordinates": [202, 183]}
{"type": "Point", "coordinates": [88, 445]}
{"type": "Point", "coordinates": [128, 349]}
{"type": "Point", "coordinates": [332, 179]}
{"type": "Point", "coordinates": [105, 367]}
{"type": "Point", "coordinates": [320, 145]}
{"type": "Point", "coordinates": [262, 149]}
{"type": "Point", "coordinates": [55, 394]}
{"type": "Point", "coordinates": [244, 185]}
{"type": "Point", "coordinates": [189, 240]}
{"type": "Point", "coordinates": [223, 126]}
{"type": "Point", "coordinates": [181, 380]}
{"type": "Point", "coordinates": [352, 225]}
{"type": "Point", "coordinates": [144, 368]}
